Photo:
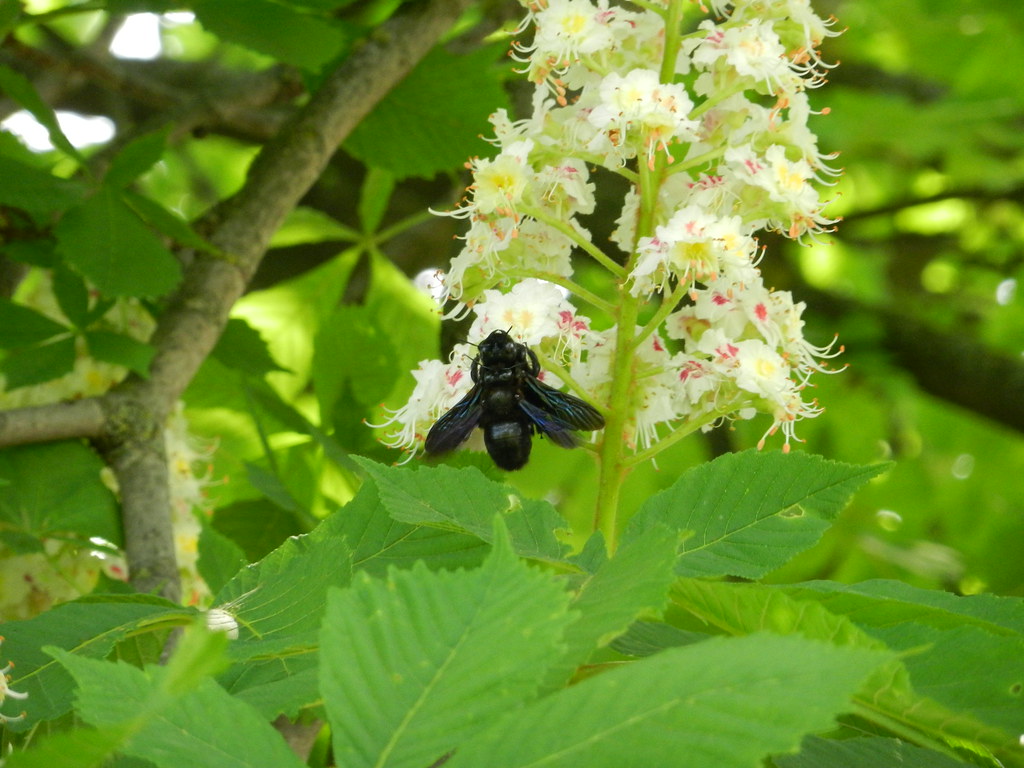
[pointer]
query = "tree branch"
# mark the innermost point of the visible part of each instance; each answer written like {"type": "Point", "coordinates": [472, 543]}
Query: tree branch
{"type": "Point", "coordinates": [240, 228]}
{"type": "Point", "coordinates": [59, 421]}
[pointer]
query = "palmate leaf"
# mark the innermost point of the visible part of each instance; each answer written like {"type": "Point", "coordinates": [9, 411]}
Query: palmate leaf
{"type": "Point", "coordinates": [39, 363]}
{"type": "Point", "coordinates": [889, 698]}
{"type": "Point", "coordinates": [979, 636]}
{"type": "Point", "coordinates": [633, 582]}
{"type": "Point", "coordinates": [273, 29]}
{"type": "Point", "coordinates": [751, 512]}
{"type": "Point", "coordinates": [106, 242]}
{"type": "Point", "coordinates": [19, 88]}
{"type": "Point", "coordinates": [283, 595]}
{"type": "Point", "coordinates": [879, 603]}
{"type": "Point", "coordinates": [88, 627]}
{"type": "Point", "coordinates": [36, 505]}
{"type": "Point", "coordinates": [21, 326]}
{"type": "Point", "coordinates": [464, 500]}
{"type": "Point", "coordinates": [721, 703]}
{"type": "Point", "coordinates": [278, 604]}
{"type": "Point", "coordinates": [434, 118]}
{"type": "Point", "coordinates": [378, 541]}
{"type": "Point", "coordinates": [72, 749]}
{"type": "Point", "coordinates": [36, 191]}
{"type": "Point", "coordinates": [865, 753]}
{"type": "Point", "coordinates": [412, 665]}
{"type": "Point", "coordinates": [176, 715]}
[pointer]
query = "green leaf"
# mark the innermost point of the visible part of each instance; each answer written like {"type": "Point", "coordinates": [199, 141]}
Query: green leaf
{"type": "Point", "coordinates": [10, 11]}
{"type": "Point", "coordinates": [283, 594]}
{"type": "Point", "coordinates": [432, 120]}
{"type": "Point", "coordinates": [80, 503]}
{"type": "Point", "coordinates": [219, 558]}
{"type": "Point", "coordinates": [166, 221]}
{"type": "Point", "coordinates": [270, 485]}
{"type": "Point", "coordinates": [20, 89]}
{"type": "Point", "coordinates": [394, 303]}
{"type": "Point", "coordinates": [278, 604]}
{"type": "Point", "coordinates": [22, 326]}
{"type": "Point", "coordinates": [28, 366]}
{"type": "Point", "coordinates": [634, 581]}
{"type": "Point", "coordinates": [90, 626]}
{"type": "Point", "coordinates": [878, 603]}
{"type": "Point", "coordinates": [137, 157]}
{"type": "Point", "coordinates": [751, 512]}
{"type": "Point", "coordinates": [989, 677]}
{"type": "Point", "coordinates": [72, 296]}
{"type": "Point", "coordinates": [273, 404]}
{"type": "Point", "coordinates": [645, 638]}
{"type": "Point", "coordinates": [243, 348]}
{"type": "Point", "coordinates": [256, 525]}
{"type": "Point", "coordinates": [107, 243]}
{"type": "Point", "coordinates": [289, 315]}
{"type": "Point", "coordinates": [284, 686]}
{"type": "Point", "coordinates": [706, 702]}
{"type": "Point", "coordinates": [322, 5]}
{"type": "Point", "coordinates": [374, 196]}
{"type": "Point", "coordinates": [464, 500]}
{"type": "Point", "coordinates": [35, 191]}
{"type": "Point", "coordinates": [310, 225]}
{"type": "Point", "coordinates": [864, 753]}
{"type": "Point", "coordinates": [378, 541]}
{"type": "Point", "coordinates": [119, 7]}
{"type": "Point", "coordinates": [980, 636]}
{"type": "Point", "coordinates": [352, 348]}
{"type": "Point", "coordinates": [408, 665]}
{"type": "Point", "coordinates": [176, 716]}
{"type": "Point", "coordinates": [40, 252]}
{"type": "Point", "coordinates": [79, 748]}
{"type": "Point", "coordinates": [887, 698]}
{"type": "Point", "coordinates": [119, 349]}
{"type": "Point", "coordinates": [276, 30]}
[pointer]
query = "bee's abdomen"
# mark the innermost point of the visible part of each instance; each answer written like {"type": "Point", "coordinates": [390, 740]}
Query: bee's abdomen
{"type": "Point", "coordinates": [509, 443]}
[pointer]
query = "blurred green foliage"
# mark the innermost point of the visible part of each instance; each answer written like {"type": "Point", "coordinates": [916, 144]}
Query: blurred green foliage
{"type": "Point", "coordinates": [924, 110]}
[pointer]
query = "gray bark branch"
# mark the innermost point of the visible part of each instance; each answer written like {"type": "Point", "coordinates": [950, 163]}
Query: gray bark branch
{"type": "Point", "coordinates": [130, 433]}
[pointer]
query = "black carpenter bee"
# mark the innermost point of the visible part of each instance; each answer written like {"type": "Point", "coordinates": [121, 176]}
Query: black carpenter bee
{"type": "Point", "coordinates": [510, 403]}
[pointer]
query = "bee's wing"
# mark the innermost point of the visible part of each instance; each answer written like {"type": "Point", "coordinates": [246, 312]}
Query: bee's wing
{"type": "Point", "coordinates": [558, 431]}
{"type": "Point", "coordinates": [451, 430]}
{"type": "Point", "coordinates": [556, 414]}
{"type": "Point", "coordinates": [569, 409]}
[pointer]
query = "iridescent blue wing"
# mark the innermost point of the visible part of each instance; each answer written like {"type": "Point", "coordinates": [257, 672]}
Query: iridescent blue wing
{"type": "Point", "coordinates": [452, 429]}
{"type": "Point", "coordinates": [569, 409]}
{"type": "Point", "coordinates": [557, 414]}
{"type": "Point", "coordinates": [559, 432]}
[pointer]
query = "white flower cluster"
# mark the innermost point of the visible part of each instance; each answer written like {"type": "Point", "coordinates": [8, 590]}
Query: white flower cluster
{"type": "Point", "coordinates": [6, 692]}
{"type": "Point", "coordinates": [710, 128]}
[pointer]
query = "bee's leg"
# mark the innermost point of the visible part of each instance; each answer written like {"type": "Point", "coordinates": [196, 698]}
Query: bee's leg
{"type": "Point", "coordinates": [534, 363]}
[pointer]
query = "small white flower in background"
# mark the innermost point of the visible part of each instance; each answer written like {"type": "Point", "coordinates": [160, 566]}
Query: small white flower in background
{"type": "Point", "coordinates": [6, 692]}
{"type": "Point", "coordinates": [219, 620]}
{"type": "Point", "coordinates": [724, 147]}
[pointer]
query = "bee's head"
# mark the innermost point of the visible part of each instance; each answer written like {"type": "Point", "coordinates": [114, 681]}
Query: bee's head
{"type": "Point", "coordinates": [499, 348]}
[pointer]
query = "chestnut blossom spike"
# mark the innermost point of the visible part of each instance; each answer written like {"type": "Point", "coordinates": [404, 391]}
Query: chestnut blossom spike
{"type": "Point", "coordinates": [6, 692]}
{"type": "Point", "coordinates": [717, 129]}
